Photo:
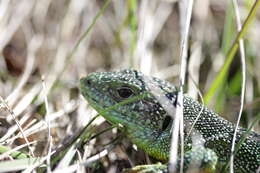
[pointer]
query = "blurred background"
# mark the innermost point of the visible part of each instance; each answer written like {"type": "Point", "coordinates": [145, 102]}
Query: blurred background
{"type": "Point", "coordinates": [46, 46]}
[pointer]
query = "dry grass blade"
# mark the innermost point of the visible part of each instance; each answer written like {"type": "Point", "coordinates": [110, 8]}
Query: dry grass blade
{"type": "Point", "coordinates": [243, 62]}
{"type": "Point", "coordinates": [178, 119]}
{"type": "Point", "coordinates": [18, 124]}
{"type": "Point", "coordinates": [66, 40]}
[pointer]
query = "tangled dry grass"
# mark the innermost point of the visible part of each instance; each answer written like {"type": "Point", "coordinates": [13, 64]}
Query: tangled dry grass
{"type": "Point", "coordinates": [46, 46]}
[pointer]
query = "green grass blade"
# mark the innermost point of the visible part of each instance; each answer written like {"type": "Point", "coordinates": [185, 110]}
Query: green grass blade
{"type": "Point", "coordinates": [230, 55]}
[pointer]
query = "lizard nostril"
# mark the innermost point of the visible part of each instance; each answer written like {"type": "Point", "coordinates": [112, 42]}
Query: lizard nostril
{"type": "Point", "coordinates": [88, 82]}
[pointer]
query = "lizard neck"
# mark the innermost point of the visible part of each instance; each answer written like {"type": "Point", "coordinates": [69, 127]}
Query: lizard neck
{"type": "Point", "coordinates": [208, 123]}
{"type": "Point", "coordinates": [217, 134]}
{"type": "Point", "coordinates": [153, 142]}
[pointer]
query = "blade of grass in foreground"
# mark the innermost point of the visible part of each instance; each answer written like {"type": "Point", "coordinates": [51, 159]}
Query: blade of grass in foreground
{"type": "Point", "coordinates": [230, 55]}
{"type": "Point", "coordinates": [242, 139]}
{"type": "Point", "coordinates": [132, 7]}
{"type": "Point", "coordinates": [18, 164]}
{"type": "Point", "coordinates": [228, 36]}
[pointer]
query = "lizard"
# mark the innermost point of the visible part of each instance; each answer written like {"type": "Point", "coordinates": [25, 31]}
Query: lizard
{"type": "Point", "coordinates": [147, 123]}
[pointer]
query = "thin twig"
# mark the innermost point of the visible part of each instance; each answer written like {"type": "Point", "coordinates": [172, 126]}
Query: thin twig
{"type": "Point", "coordinates": [201, 110]}
{"type": "Point", "coordinates": [17, 123]}
{"type": "Point", "coordinates": [47, 120]}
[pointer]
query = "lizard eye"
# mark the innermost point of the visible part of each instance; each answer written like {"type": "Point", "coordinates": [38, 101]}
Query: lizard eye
{"type": "Point", "coordinates": [125, 92]}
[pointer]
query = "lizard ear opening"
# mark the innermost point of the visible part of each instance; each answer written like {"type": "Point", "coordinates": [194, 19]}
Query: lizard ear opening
{"type": "Point", "coordinates": [166, 122]}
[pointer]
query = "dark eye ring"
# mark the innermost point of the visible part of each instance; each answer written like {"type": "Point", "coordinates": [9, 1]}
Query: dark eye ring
{"type": "Point", "coordinates": [125, 92]}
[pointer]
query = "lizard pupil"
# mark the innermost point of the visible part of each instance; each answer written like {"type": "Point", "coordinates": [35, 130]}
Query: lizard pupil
{"type": "Point", "coordinates": [125, 92]}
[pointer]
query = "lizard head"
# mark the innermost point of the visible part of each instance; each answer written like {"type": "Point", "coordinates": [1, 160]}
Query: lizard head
{"type": "Point", "coordinates": [132, 100]}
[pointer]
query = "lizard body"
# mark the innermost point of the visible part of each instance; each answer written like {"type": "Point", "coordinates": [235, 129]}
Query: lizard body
{"type": "Point", "coordinates": [147, 123]}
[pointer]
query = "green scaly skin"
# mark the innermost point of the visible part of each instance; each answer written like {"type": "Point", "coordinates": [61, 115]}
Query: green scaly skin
{"type": "Point", "coordinates": [146, 121]}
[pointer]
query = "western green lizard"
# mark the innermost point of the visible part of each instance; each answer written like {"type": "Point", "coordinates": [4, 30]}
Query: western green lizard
{"type": "Point", "coordinates": [147, 123]}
